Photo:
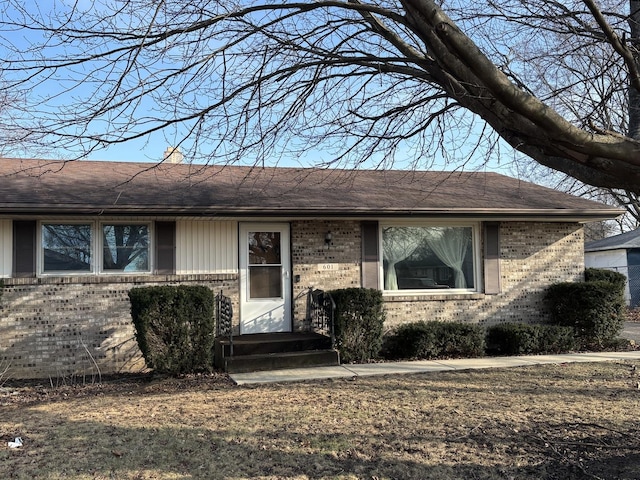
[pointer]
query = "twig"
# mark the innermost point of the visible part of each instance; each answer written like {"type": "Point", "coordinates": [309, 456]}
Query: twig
{"type": "Point", "coordinates": [567, 459]}
{"type": "Point", "coordinates": [93, 360]}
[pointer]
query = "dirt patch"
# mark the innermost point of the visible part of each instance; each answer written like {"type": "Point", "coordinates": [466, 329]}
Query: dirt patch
{"type": "Point", "coordinates": [545, 422]}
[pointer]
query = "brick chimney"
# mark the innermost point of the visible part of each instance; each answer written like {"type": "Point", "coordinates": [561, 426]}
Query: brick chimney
{"type": "Point", "coordinates": [173, 155]}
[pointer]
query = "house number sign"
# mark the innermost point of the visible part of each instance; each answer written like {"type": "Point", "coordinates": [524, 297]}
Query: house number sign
{"type": "Point", "coordinates": [327, 267]}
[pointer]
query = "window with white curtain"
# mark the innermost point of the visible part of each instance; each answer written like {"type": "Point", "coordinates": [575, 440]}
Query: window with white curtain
{"type": "Point", "coordinates": [432, 258]}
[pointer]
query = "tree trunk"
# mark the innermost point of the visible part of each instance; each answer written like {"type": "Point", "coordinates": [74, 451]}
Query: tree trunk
{"type": "Point", "coordinates": [634, 95]}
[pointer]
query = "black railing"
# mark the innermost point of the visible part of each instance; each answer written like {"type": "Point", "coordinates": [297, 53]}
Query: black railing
{"type": "Point", "coordinates": [224, 319]}
{"type": "Point", "coordinates": [320, 312]}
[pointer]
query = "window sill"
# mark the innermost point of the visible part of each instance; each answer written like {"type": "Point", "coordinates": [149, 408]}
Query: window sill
{"type": "Point", "coordinates": [428, 296]}
{"type": "Point", "coordinates": [140, 279]}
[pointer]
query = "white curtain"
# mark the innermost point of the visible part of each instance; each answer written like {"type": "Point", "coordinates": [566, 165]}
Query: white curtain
{"type": "Point", "coordinates": [399, 243]}
{"type": "Point", "coordinates": [450, 245]}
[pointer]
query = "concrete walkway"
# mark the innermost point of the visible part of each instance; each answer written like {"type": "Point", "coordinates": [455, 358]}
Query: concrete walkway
{"type": "Point", "coordinates": [424, 366]}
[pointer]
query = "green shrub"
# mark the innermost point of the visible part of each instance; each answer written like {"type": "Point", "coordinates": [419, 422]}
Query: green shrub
{"type": "Point", "coordinates": [522, 338]}
{"type": "Point", "coordinates": [557, 339]}
{"type": "Point", "coordinates": [604, 275]}
{"type": "Point", "coordinates": [595, 308]}
{"type": "Point", "coordinates": [174, 327]}
{"type": "Point", "coordinates": [426, 340]}
{"type": "Point", "coordinates": [359, 319]}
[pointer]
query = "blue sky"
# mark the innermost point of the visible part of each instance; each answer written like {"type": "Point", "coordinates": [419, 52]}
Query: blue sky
{"type": "Point", "coordinates": [151, 148]}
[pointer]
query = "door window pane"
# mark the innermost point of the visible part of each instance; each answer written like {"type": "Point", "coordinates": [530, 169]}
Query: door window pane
{"type": "Point", "coordinates": [66, 247]}
{"type": "Point", "coordinates": [265, 282]}
{"type": "Point", "coordinates": [428, 258]}
{"type": "Point", "coordinates": [264, 248]}
{"type": "Point", "coordinates": [125, 248]}
{"type": "Point", "coordinates": [265, 267]}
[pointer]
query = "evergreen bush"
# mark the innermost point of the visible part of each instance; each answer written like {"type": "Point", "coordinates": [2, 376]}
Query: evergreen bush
{"type": "Point", "coordinates": [174, 327]}
{"type": "Point", "coordinates": [359, 319]}
{"type": "Point", "coordinates": [522, 338]}
{"type": "Point", "coordinates": [594, 308]}
{"type": "Point", "coordinates": [427, 340]}
{"type": "Point", "coordinates": [602, 274]}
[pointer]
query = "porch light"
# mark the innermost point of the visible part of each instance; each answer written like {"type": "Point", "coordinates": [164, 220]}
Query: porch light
{"type": "Point", "coordinates": [328, 238]}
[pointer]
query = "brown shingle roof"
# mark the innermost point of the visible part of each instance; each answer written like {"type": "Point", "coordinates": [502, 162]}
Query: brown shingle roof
{"type": "Point", "coordinates": [90, 187]}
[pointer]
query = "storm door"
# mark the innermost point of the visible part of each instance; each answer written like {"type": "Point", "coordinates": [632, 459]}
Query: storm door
{"type": "Point", "coordinates": [265, 278]}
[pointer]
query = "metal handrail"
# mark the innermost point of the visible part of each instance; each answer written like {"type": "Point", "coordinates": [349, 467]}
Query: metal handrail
{"type": "Point", "coordinates": [320, 312]}
{"type": "Point", "coordinates": [224, 319]}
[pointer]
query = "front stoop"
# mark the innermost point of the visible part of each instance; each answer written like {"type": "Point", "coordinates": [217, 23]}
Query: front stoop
{"type": "Point", "coordinates": [275, 351]}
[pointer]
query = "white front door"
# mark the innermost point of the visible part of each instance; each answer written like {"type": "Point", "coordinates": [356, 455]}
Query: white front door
{"type": "Point", "coordinates": [265, 278]}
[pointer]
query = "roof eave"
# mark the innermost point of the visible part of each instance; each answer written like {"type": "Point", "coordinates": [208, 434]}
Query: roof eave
{"type": "Point", "coordinates": [557, 214]}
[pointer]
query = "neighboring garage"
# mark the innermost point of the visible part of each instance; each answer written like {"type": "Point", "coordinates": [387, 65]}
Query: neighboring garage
{"type": "Point", "coordinates": [622, 254]}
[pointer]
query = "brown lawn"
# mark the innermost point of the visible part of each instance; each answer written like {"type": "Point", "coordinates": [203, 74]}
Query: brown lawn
{"type": "Point", "coordinates": [545, 422]}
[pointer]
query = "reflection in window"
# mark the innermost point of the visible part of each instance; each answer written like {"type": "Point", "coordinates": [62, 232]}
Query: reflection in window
{"type": "Point", "coordinates": [125, 248]}
{"type": "Point", "coordinates": [427, 258]}
{"type": "Point", "coordinates": [264, 248]}
{"type": "Point", "coordinates": [66, 247]}
{"type": "Point", "coordinates": [265, 265]}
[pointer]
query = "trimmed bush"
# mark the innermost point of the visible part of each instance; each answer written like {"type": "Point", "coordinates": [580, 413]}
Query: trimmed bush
{"type": "Point", "coordinates": [359, 318]}
{"type": "Point", "coordinates": [557, 339]}
{"type": "Point", "coordinates": [604, 275]}
{"type": "Point", "coordinates": [426, 340]}
{"type": "Point", "coordinates": [595, 308]}
{"type": "Point", "coordinates": [522, 338]}
{"type": "Point", "coordinates": [174, 327]}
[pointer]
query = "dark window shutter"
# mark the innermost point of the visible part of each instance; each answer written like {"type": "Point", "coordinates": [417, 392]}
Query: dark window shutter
{"type": "Point", "coordinates": [165, 248]}
{"type": "Point", "coordinates": [370, 255]}
{"type": "Point", "coordinates": [492, 258]}
{"type": "Point", "coordinates": [24, 248]}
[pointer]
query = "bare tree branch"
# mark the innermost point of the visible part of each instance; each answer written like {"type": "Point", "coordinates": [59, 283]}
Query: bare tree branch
{"type": "Point", "coordinates": [353, 79]}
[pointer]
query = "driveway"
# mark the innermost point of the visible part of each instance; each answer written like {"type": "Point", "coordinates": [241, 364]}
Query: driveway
{"type": "Point", "coordinates": [631, 330]}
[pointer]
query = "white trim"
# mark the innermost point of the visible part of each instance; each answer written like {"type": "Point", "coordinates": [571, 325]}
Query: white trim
{"type": "Point", "coordinates": [96, 247]}
{"type": "Point", "coordinates": [265, 315]}
{"type": "Point", "coordinates": [100, 247]}
{"type": "Point", "coordinates": [40, 247]}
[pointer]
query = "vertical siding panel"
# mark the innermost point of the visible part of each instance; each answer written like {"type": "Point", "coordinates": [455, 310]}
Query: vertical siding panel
{"type": "Point", "coordinates": [215, 245]}
{"type": "Point", "coordinates": [6, 246]}
{"type": "Point", "coordinates": [231, 259]}
{"type": "Point", "coordinates": [207, 246]}
{"type": "Point", "coordinates": [204, 232]}
{"type": "Point", "coordinates": [195, 257]}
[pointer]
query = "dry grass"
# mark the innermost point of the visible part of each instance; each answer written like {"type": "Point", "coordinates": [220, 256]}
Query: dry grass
{"type": "Point", "coordinates": [545, 422]}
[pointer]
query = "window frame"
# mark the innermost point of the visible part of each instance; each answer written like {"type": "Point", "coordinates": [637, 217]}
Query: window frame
{"type": "Point", "coordinates": [476, 245]}
{"type": "Point", "coordinates": [96, 248]}
{"type": "Point", "coordinates": [41, 254]}
{"type": "Point", "coordinates": [100, 247]}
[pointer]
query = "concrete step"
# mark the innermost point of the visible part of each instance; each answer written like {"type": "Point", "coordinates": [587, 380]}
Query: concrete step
{"type": "Point", "coordinates": [265, 343]}
{"type": "Point", "coordinates": [281, 360]}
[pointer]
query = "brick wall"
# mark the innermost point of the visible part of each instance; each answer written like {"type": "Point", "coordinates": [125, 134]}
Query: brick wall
{"type": "Point", "coordinates": [532, 256]}
{"type": "Point", "coordinates": [322, 266]}
{"type": "Point", "coordinates": [65, 326]}
{"type": "Point", "coordinates": [60, 326]}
